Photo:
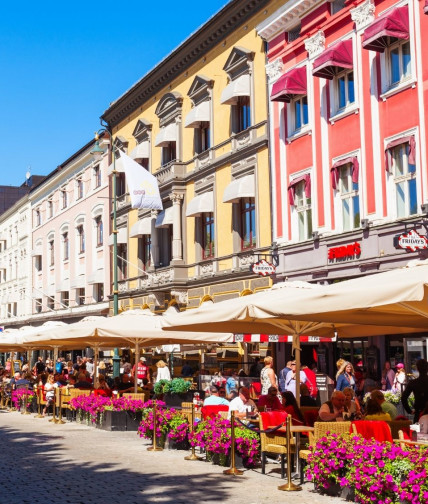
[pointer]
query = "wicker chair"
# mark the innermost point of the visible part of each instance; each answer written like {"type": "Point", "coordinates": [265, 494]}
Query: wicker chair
{"type": "Point", "coordinates": [397, 425]}
{"type": "Point", "coordinates": [274, 443]}
{"type": "Point", "coordinates": [321, 430]}
{"type": "Point", "coordinates": [144, 396]}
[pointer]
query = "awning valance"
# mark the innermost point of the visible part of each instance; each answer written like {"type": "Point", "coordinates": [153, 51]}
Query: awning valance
{"type": "Point", "coordinates": [203, 203]}
{"type": "Point", "coordinates": [118, 167]}
{"type": "Point", "coordinates": [394, 23]}
{"type": "Point", "coordinates": [78, 282]}
{"type": "Point", "coordinates": [96, 277]}
{"type": "Point", "coordinates": [243, 187]}
{"type": "Point", "coordinates": [141, 227]}
{"type": "Point", "coordinates": [165, 218]}
{"type": "Point", "coordinates": [353, 160]}
{"type": "Point", "coordinates": [199, 113]}
{"type": "Point", "coordinates": [37, 251]}
{"type": "Point", "coordinates": [122, 236]}
{"type": "Point", "coordinates": [166, 135]}
{"type": "Point", "coordinates": [238, 87]}
{"type": "Point", "coordinates": [293, 82]}
{"type": "Point", "coordinates": [141, 151]}
{"type": "Point", "coordinates": [410, 139]}
{"type": "Point", "coordinates": [333, 60]}
{"type": "Point", "coordinates": [306, 179]}
{"type": "Point", "coordinates": [63, 286]}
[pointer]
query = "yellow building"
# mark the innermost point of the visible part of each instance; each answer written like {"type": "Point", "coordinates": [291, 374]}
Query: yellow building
{"type": "Point", "coordinates": [198, 122]}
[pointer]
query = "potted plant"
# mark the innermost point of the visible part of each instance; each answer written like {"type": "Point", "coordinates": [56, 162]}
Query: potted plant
{"type": "Point", "coordinates": [163, 417]}
{"type": "Point", "coordinates": [178, 432]}
{"type": "Point", "coordinates": [175, 391]}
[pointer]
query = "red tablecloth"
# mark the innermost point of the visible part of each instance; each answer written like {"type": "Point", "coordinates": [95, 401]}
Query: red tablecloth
{"type": "Point", "coordinates": [377, 429]}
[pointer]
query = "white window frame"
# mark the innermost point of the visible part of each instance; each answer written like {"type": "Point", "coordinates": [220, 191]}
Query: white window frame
{"type": "Point", "coordinates": [392, 180]}
{"type": "Point", "coordinates": [296, 210]}
{"type": "Point", "coordinates": [340, 197]}
{"type": "Point", "coordinates": [291, 117]}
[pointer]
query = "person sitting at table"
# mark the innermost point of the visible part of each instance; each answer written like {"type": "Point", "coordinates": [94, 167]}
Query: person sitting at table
{"type": "Point", "coordinates": [50, 387]}
{"type": "Point", "coordinates": [270, 401]}
{"type": "Point", "coordinates": [305, 396]}
{"type": "Point", "coordinates": [386, 406]}
{"type": "Point", "coordinates": [82, 382]}
{"type": "Point", "coordinates": [375, 412]}
{"type": "Point", "coordinates": [292, 408]}
{"type": "Point", "coordinates": [101, 384]}
{"type": "Point", "coordinates": [352, 407]}
{"type": "Point", "coordinates": [242, 404]}
{"type": "Point", "coordinates": [214, 399]}
{"type": "Point", "coordinates": [332, 410]}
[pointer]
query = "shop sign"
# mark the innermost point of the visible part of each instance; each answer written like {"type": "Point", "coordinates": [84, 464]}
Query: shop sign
{"type": "Point", "coordinates": [411, 241]}
{"type": "Point", "coordinates": [263, 268]}
{"type": "Point", "coordinates": [344, 252]}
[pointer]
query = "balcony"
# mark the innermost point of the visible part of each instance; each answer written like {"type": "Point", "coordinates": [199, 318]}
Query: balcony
{"type": "Point", "coordinates": [172, 171]}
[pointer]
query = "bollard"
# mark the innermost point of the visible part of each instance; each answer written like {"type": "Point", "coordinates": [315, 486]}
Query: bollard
{"type": "Point", "coordinates": [193, 455]}
{"type": "Point", "coordinates": [289, 486]}
{"type": "Point", "coordinates": [154, 447]}
{"type": "Point", "coordinates": [233, 470]}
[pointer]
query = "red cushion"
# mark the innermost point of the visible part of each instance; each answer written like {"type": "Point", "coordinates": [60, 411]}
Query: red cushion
{"type": "Point", "coordinates": [272, 418]}
{"type": "Point", "coordinates": [310, 417]}
{"type": "Point", "coordinates": [212, 411]}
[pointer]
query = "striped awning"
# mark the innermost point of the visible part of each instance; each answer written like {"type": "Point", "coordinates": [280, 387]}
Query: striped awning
{"type": "Point", "coordinates": [277, 338]}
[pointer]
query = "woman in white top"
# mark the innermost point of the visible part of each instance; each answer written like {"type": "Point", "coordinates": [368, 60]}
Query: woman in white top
{"type": "Point", "coordinates": [267, 376]}
{"type": "Point", "coordinates": [163, 371]}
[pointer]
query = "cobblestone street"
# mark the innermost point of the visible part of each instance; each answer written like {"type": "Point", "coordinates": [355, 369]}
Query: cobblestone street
{"type": "Point", "coordinates": [73, 463]}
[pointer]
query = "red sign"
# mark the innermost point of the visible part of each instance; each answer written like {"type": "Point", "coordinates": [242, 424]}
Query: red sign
{"type": "Point", "coordinates": [344, 252]}
{"type": "Point", "coordinates": [263, 268]}
{"type": "Point", "coordinates": [411, 241]}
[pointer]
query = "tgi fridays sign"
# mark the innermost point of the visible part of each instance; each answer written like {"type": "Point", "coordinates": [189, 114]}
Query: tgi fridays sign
{"type": "Point", "coordinates": [411, 241]}
{"type": "Point", "coordinates": [263, 268]}
{"type": "Point", "coordinates": [344, 252]}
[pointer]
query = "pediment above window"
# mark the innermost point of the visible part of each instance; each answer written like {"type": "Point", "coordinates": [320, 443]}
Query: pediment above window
{"type": "Point", "coordinates": [200, 89]}
{"type": "Point", "coordinates": [169, 107]}
{"type": "Point", "coordinates": [121, 143]}
{"type": "Point", "coordinates": [238, 62]}
{"type": "Point", "coordinates": [142, 129]}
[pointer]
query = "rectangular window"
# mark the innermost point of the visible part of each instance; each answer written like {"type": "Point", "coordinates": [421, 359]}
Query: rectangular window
{"type": "Point", "coordinates": [81, 238]}
{"type": "Point", "coordinates": [51, 249]}
{"type": "Point", "coordinates": [404, 174]}
{"type": "Point", "coordinates": [122, 264]}
{"type": "Point", "coordinates": [38, 305]}
{"type": "Point", "coordinates": [50, 209]}
{"type": "Point", "coordinates": [146, 251]}
{"type": "Point", "coordinates": [304, 212]}
{"type": "Point", "coordinates": [38, 263]}
{"type": "Point", "coordinates": [300, 112]}
{"type": "Point", "coordinates": [100, 230]}
{"type": "Point", "coordinates": [248, 223]}
{"type": "Point", "coordinates": [63, 198]}
{"type": "Point", "coordinates": [38, 218]}
{"type": "Point", "coordinates": [336, 6]}
{"type": "Point", "coordinates": [169, 153]}
{"type": "Point", "coordinates": [79, 187]}
{"type": "Point", "coordinates": [350, 199]}
{"type": "Point", "coordinates": [98, 293]}
{"type": "Point", "coordinates": [66, 246]}
{"type": "Point", "coordinates": [208, 230]}
{"type": "Point", "coordinates": [97, 176]}
{"type": "Point", "coordinates": [80, 297]}
{"type": "Point", "coordinates": [242, 114]}
{"type": "Point", "coordinates": [345, 90]}
{"type": "Point", "coordinates": [120, 184]}
{"type": "Point", "coordinates": [400, 62]}
{"type": "Point", "coordinates": [202, 138]}
{"type": "Point", "coordinates": [51, 303]}
{"type": "Point", "coordinates": [65, 299]}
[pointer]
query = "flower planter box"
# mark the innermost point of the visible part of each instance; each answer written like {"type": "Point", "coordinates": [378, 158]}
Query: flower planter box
{"type": "Point", "coordinates": [133, 420]}
{"type": "Point", "coordinates": [175, 400]}
{"type": "Point", "coordinates": [182, 445]}
{"type": "Point", "coordinates": [113, 421]}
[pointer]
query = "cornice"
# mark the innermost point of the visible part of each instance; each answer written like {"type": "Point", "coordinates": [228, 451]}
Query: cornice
{"type": "Point", "coordinates": [285, 18]}
{"type": "Point", "coordinates": [225, 22]}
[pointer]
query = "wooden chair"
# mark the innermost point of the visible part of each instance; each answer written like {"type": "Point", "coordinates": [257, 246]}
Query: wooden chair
{"type": "Point", "coordinates": [142, 396]}
{"type": "Point", "coordinates": [321, 430]}
{"type": "Point", "coordinates": [273, 442]}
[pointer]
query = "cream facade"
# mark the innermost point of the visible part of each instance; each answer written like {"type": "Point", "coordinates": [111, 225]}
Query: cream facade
{"type": "Point", "coordinates": [198, 122]}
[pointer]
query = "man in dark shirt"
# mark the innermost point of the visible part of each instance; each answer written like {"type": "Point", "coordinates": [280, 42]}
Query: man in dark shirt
{"type": "Point", "coordinates": [256, 368]}
{"type": "Point", "coordinates": [419, 387]}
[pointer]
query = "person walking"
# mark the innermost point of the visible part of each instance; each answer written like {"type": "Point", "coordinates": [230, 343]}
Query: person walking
{"type": "Point", "coordinates": [267, 375]}
{"type": "Point", "coordinates": [346, 377]}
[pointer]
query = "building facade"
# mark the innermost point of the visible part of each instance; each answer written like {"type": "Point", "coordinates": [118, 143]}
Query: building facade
{"type": "Point", "coordinates": [348, 99]}
{"type": "Point", "coordinates": [70, 254]}
{"type": "Point", "coordinates": [198, 122]}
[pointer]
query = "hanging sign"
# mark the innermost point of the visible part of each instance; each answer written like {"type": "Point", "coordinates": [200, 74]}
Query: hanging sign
{"type": "Point", "coordinates": [411, 241]}
{"type": "Point", "coordinates": [263, 268]}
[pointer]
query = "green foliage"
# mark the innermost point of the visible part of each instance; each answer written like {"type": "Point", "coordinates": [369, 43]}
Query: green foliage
{"type": "Point", "coordinates": [175, 386]}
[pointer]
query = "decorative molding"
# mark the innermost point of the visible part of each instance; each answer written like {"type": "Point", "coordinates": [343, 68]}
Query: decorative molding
{"type": "Point", "coordinates": [181, 296]}
{"type": "Point", "coordinates": [176, 197]}
{"type": "Point", "coordinates": [274, 69]}
{"type": "Point", "coordinates": [210, 35]}
{"type": "Point", "coordinates": [315, 45]}
{"type": "Point", "coordinates": [363, 15]}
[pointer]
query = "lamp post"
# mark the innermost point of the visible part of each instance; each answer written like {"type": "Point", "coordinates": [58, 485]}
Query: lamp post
{"type": "Point", "coordinates": [97, 152]}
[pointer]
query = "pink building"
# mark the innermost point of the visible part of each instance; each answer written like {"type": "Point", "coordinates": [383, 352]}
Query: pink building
{"type": "Point", "coordinates": [348, 86]}
{"type": "Point", "coordinates": [71, 257]}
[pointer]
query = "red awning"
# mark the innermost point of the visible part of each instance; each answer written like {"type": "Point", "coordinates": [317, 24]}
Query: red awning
{"type": "Point", "coordinates": [291, 83]}
{"type": "Point", "coordinates": [336, 167]}
{"type": "Point", "coordinates": [412, 150]}
{"type": "Point", "coordinates": [306, 179]}
{"type": "Point", "coordinates": [395, 23]}
{"type": "Point", "coordinates": [334, 59]}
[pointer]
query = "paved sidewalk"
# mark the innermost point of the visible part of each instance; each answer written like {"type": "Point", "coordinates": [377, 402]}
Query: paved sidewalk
{"type": "Point", "coordinates": [73, 463]}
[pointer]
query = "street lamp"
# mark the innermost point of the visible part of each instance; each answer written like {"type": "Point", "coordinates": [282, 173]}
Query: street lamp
{"type": "Point", "coordinates": [97, 152]}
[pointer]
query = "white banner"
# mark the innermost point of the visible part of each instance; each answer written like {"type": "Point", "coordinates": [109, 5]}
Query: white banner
{"type": "Point", "coordinates": [143, 186]}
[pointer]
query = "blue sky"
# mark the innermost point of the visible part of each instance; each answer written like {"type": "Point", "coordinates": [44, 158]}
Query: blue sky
{"type": "Point", "coordinates": [63, 63]}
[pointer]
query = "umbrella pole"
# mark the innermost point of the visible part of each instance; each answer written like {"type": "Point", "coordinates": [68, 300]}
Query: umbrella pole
{"type": "Point", "coordinates": [297, 355]}
{"type": "Point", "coordinates": [137, 360]}
{"type": "Point", "coordinates": [96, 359]}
